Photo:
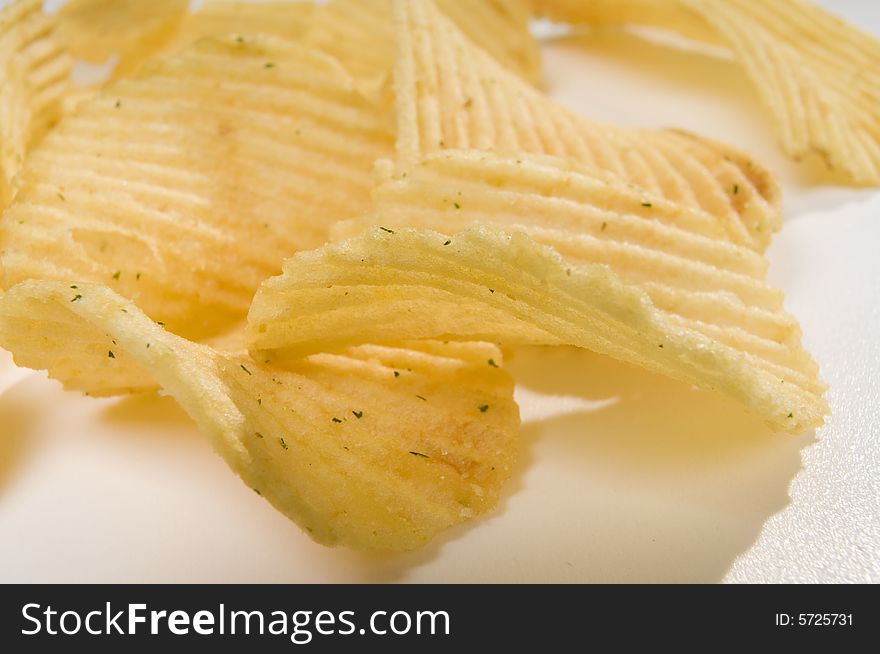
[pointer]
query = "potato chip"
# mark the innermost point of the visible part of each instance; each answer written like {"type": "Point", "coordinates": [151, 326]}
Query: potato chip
{"type": "Point", "coordinates": [132, 30]}
{"type": "Point", "coordinates": [284, 18]}
{"type": "Point", "coordinates": [482, 284]}
{"type": "Point", "coordinates": [374, 448]}
{"type": "Point", "coordinates": [501, 28]}
{"type": "Point", "coordinates": [34, 80]}
{"type": "Point", "coordinates": [451, 95]}
{"type": "Point", "coordinates": [673, 253]}
{"type": "Point", "coordinates": [586, 216]}
{"type": "Point", "coordinates": [818, 76]}
{"type": "Point", "coordinates": [664, 14]}
{"type": "Point", "coordinates": [185, 187]}
{"type": "Point", "coordinates": [359, 33]}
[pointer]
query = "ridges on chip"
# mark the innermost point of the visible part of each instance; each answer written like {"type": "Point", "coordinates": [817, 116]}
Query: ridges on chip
{"type": "Point", "coordinates": [185, 186]}
{"type": "Point", "coordinates": [376, 447]}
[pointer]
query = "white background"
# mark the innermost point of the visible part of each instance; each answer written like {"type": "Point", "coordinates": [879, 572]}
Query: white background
{"type": "Point", "coordinates": [625, 476]}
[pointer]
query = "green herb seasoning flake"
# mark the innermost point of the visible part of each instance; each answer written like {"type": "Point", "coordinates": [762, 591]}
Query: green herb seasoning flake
{"type": "Point", "coordinates": [269, 64]}
{"type": "Point", "coordinates": [258, 434]}
{"type": "Point", "coordinates": [117, 274]}
{"type": "Point", "coordinates": [484, 408]}
{"type": "Point", "coordinates": [424, 456]}
{"type": "Point", "coordinates": [110, 354]}
{"type": "Point", "coordinates": [77, 298]}
{"type": "Point", "coordinates": [604, 226]}
{"type": "Point", "coordinates": [358, 414]}
{"type": "Point", "coordinates": [447, 242]}
{"type": "Point", "coordinates": [61, 197]}
{"type": "Point", "coordinates": [492, 363]}
{"type": "Point", "coordinates": [396, 374]}
{"type": "Point", "coordinates": [246, 370]}
{"type": "Point", "coordinates": [456, 205]}
{"type": "Point", "coordinates": [138, 277]}
{"type": "Point", "coordinates": [791, 415]}
{"type": "Point", "coordinates": [423, 399]}
{"type": "Point", "coordinates": [736, 189]}
{"type": "Point", "coordinates": [337, 420]}
{"type": "Point", "coordinates": [647, 204]}
{"type": "Point", "coordinates": [283, 443]}
{"type": "Point", "coordinates": [75, 287]}
{"type": "Point", "coordinates": [385, 229]}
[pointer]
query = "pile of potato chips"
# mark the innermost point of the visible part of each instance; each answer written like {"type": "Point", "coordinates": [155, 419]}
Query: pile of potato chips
{"type": "Point", "coordinates": [316, 226]}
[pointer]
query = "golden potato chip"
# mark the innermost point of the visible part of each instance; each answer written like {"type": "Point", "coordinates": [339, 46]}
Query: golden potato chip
{"type": "Point", "coordinates": [451, 95]}
{"type": "Point", "coordinates": [285, 18]}
{"type": "Point", "coordinates": [375, 448]}
{"type": "Point", "coordinates": [501, 28]}
{"type": "Point", "coordinates": [359, 33]}
{"type": "Point", "coordinates": [132, 30]}
{"type": "Point", "coordinates": [34, 81]}
{"type": "Point", "coordinates": [482, 284]}
{"type": "Point", "coordinates": [665, 14]}
{"type": "Point", "coordinates": [818, 76]}
{"type": "Point", "coordinates": [185, 187]}
{"type": "Point", "coordinates": [673, 253]}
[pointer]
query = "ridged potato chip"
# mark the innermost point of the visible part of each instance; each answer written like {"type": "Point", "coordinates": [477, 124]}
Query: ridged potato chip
{"type": "Point", "coordinates": [132, 30]}
{"type": "Point", "coordinates": [818, 76]}
{"type": "Point", "coordinates": [665, 14]}
{"type": "Point", "coordinates": [449, 94]}
{"type": "Point", "coordinates": [675, 254]}
{"type": "Point", "coordinates": [34, 82]}
{"type": "Point", "coordinates": [374, 448]}
{"type": "Point", "coordinates": [359, 33]}
{"type": "Point", "coordinates": [185, 187]}
{"type": "Point", "coordinates": [482, 284]}
{"type": "Point", "coordinates": [285, 18]}
{"type": "Point", "coordinates": [501, 28]}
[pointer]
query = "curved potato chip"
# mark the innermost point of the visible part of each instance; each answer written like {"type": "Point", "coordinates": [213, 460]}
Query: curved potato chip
{"type": "Point", "coordinates": [284, 18]}
{"type": "Point", "coordinates": [818, 76]}
{"type": "Point", "coordinates": [673, 253]}
{"type": "Point", "coordinates": [359, 33]}
{"type": "Point", "coordinates": [133, 30]}
{"type": "Point", "coordinates": [501, 28]}
{"type": "Point", "coordinates": [34, 82]}
{"type": "Point", "coordinates": [485, 285]}
{"type": "Point", "coordinates": [451, 95]}
{"type": "Point", "coordinates": [665, 14]}
{"type": "Point", "coordinates": [374, 448]}
{"type": "Point", "coordinates": [185, 187]}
